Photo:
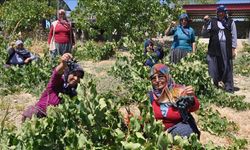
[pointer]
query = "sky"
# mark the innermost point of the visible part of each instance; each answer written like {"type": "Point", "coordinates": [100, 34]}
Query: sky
{"type": "Point", "coordinates": [71, 3]}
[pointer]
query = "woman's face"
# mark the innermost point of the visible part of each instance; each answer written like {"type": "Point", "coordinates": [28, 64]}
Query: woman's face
{"type": "Point", "coordinates": [74, 78]}
{"type": "Point", "coordinates": [20, 46]}
{"type": "Point", "coordinates": [221, 15]}
{"type": "Point", "coordinates": [159, 81]}
{"type": "Point", "coordinates": [150, 47]}
{"type": "Point", "coordinates": [184, 22]}
{"type": "Point", "coordinates": [62, 15]}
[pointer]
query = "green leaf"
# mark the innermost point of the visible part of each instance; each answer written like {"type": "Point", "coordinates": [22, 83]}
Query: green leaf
{"type": "Point", "coordinates": [82, 140]}
{"type": "Point", "coordinates": [139, 135]}
{"type": "Point", "coordinates": [131, 145]}
{"type": "Point", "coordinates": [119, 133]}
{"type": "Point", "coordinates": [102, 103]}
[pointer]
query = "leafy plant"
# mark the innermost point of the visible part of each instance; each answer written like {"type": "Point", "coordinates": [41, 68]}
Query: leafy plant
{"type": "Point", "coordinates": [212, 122]}
{"type": "Point", "coordinates": [114, 19]}
{"type": "Point", "coordinates": [242, 66]}
{"type": "Point", "coordinates": [91, 121]}
{"type": "Point", "coordinates": [27, 77]}
{"type": "Point", "coordinates": [23, 15]}
{"type": "Point", "coordinates": [246, 47]}
{"type": "Point", "coordinates": [95, 51]}
{"type": "Point", "coordinates": [220, 98]}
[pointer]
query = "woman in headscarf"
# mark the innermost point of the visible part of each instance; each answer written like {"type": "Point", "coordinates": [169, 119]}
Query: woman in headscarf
{"type": "Point", "coordinates": [166, 98]}
{"type": "Point", "coordinates": [154, 54]}
{"type": "Point", "coordinates": [19, 55]}
{"type": "Point", "coordinates": [61, 37]}
{"type": "Point", "coordinates": [184, 39]}
{"type": "Point", "coordinates": [221, 48]}
{"type": "Point", "coordinates": [64, 79]}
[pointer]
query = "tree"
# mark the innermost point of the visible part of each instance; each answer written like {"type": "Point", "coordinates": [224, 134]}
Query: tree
{"type": "Point", "coordinates": [115, 18]}
{"type": "Point", "coordinates": [23, 15]}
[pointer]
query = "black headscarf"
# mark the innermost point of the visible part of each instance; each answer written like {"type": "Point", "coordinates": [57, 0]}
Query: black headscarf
{"type": "Point", "coordinates": [69, 90]}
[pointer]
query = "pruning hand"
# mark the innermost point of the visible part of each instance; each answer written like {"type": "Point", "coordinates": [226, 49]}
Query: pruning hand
{"type": "Point", "coordinates": [173, 23]}
{"type": "Point", "coordinates": [188, 91]}
{"type": "Point", "coordinates": [65, 58]}
{"type": "Point", "coordinates": [206, 18]}
{"type": "Point", "coordinates": [63, 65]}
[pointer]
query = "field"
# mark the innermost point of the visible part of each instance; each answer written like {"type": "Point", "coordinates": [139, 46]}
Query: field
{"type": "Point", "coordinates": [111, 53]}
{"type": "Point", "coordinates": [233, 120]}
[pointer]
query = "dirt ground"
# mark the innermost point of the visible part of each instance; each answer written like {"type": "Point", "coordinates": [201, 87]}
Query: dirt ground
{"type": "Point", "coordinates": [19, 101]}
{"type": "Point", "coordinates": [15, 104]}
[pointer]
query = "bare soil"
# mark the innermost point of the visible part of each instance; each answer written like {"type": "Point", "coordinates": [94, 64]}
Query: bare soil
{"type": "Point", "coordinates": [16, 104]}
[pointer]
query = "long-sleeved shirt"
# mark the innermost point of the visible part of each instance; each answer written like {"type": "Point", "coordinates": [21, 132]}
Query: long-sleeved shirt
{"type": "Point", "coordinates": [51, 95]}
{"type": "Point", "coordinates": [154, 57]}
{"type": "Point", "coordinates": [170, 116]}
{"type": "Point", "coordinates": [18, 56]}
{"type": "Point", "coordinates": [168, 113]}
{"type": "Point", "coordinates": [221, 33]}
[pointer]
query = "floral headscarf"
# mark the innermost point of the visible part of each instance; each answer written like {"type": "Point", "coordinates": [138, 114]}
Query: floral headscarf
{"type": "Point", "coordinates": [162, 69]}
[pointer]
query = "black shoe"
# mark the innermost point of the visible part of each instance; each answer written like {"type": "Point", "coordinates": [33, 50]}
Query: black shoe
{"type": "Point", "coordinates": [230, 91]}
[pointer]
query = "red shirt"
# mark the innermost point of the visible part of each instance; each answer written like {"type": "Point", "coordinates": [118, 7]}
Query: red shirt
{"type": "Point", "coordinates": [173, 116]}
{"type": "Point", "coordinates": [63, 34]}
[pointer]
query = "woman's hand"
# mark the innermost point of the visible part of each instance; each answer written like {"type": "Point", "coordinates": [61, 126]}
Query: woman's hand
{"type": "Point", "coordinates": [173, 23]}
{"type": "Point", "coordinates": [27, 60]}
{"type": "Point", "coordinates": [64, 59]}
{"type": "Point", "coordinates": [188, 91]}
{"type": "Point", "coordinates": [126, 118]}
{"type": "Point", "coordinates": [206, 18]}
{"type": "Point", "coordinates": [129, 111]}
{"type": "Point", "coordinates": [234, 53]}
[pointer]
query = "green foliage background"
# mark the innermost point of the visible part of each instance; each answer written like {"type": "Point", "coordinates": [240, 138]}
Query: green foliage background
{"type": "Point", "coordinates": [23, 15]}
{"type": "Point", "coordinates": [124, 17]}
